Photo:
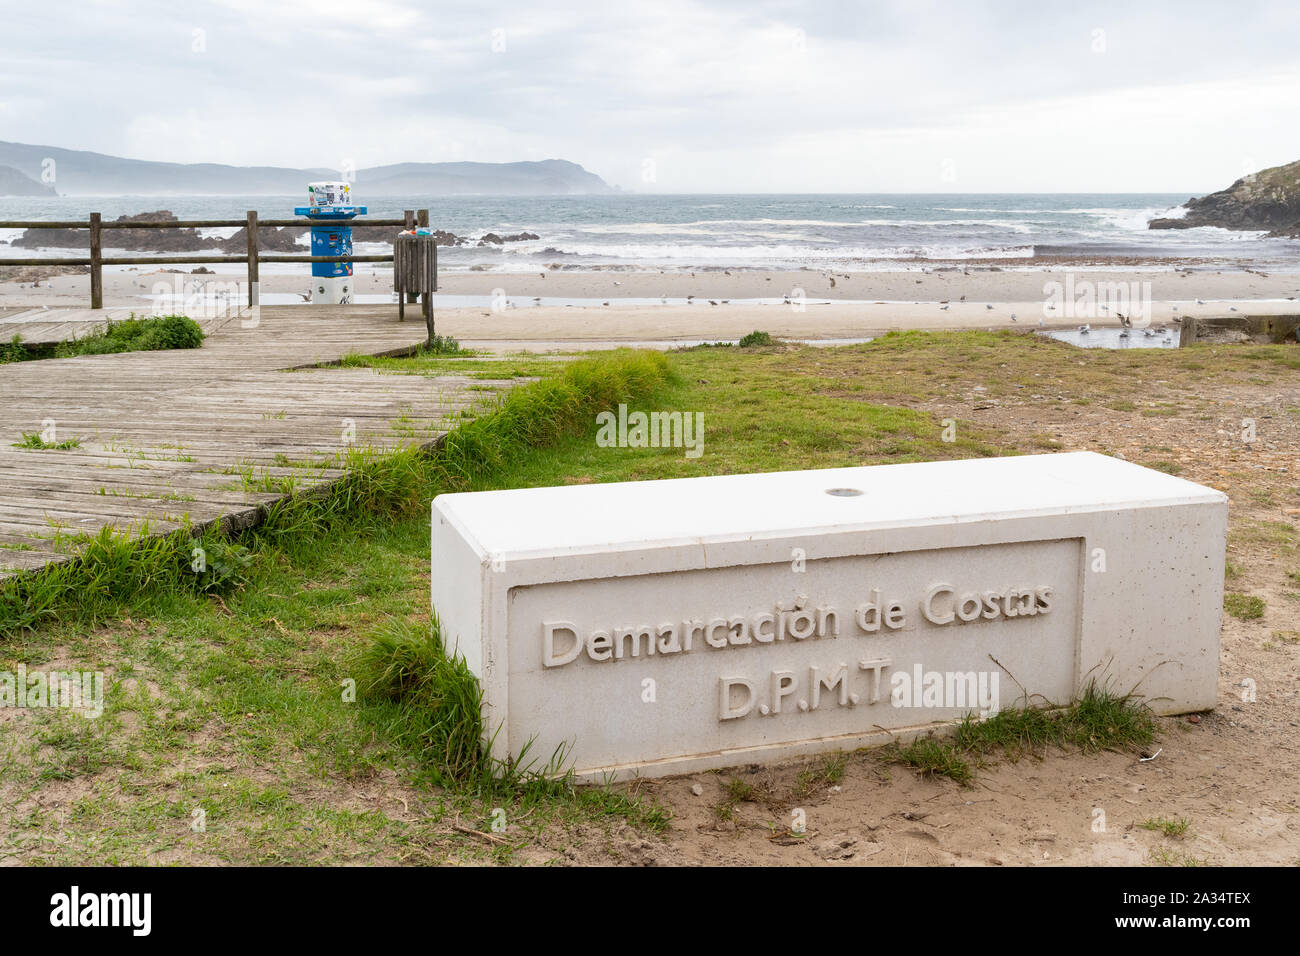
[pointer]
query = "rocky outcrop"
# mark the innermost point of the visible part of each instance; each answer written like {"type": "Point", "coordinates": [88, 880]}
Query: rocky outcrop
{"type": "Point", "coordinates": [492, 239]}
{"type": "Point", "coordinates": [1269, 200]}
{"type": "Point", "coordinates": [141, 240]}
{"type": "Point", "coordinates": [269, 239]}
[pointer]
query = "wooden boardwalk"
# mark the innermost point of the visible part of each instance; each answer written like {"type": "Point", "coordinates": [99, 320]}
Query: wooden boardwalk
{"type": "Point", "coordinates": [197, 434]}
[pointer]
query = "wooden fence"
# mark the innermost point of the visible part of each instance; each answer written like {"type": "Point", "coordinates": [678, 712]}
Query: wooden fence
{"type": "Point", "coordinates": [97, 260]}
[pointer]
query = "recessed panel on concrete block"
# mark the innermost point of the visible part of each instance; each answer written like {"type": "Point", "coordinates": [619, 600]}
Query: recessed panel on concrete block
{"type": "Point", "coordinates": [669, 626]}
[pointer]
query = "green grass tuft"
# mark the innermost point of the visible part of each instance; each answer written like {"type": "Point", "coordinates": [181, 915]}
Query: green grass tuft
{"type": "Point", "coordinates": [1170, 828]}
{"type": "Point", "coordinates": [1099, 720]}
{"type": "Point", "coordinates": [438, 698]}
{"type": "Point", "coordinates": [1244, 607]}
{"type": "Point", "coordinates": [33, 440]}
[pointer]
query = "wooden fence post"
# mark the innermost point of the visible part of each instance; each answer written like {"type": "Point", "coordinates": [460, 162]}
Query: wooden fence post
{"type": "Point", "coordinates": [423, 219]}
{"type": "Point", "coordinates": [96, 263]}
{"type": "Point", "coordinates": [251, 226]}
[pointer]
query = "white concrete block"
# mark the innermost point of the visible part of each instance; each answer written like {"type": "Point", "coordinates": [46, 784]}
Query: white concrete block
{"type": "Point", "coordinates": [669, 626]}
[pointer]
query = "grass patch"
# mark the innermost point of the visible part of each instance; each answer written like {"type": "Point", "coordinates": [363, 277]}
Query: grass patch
{"type": "Point", "coordinates": [149, 334]}
{"type": "Point", "coordinates": [755, 339]}
{"type": "Point", "coordinates": [1244, 607]}
{"type": "Point", "coordinates": [13, 351]}
{"type": "Point", "coordinates": [932, 758]}
{"type": "Point", "coordinates": [1168, 467]}
{"type": "Point", "coordinates": [1176, 828]}
{"type": "Point", "coordinates": [826, 774]}
{"type": "Point", "coordinates": [33, 440]}
{"type": "Point", "coordinates": [438, 698]}
{"type": "Point", "coordinates": [1099, 720]}
{"type": "Point", "coordinates": [441, 346]}
{"type": "Point", "coordinates": [137, 335]}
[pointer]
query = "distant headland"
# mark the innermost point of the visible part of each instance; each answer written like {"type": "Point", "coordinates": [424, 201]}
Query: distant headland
{"type": "Point", "coordinates": [32, 170]}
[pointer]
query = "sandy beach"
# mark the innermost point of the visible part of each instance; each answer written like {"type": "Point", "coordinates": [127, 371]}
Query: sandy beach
{"type": "Point", "coordinates": [602, 306]}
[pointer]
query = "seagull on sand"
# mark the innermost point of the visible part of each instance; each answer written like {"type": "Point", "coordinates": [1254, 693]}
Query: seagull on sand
{"type": "Point", "coordinates": [943, 308]}
{"type": "Point", "coordinates": [1200, 302]}
{"type": "Point", "coordinates": [1085, 329]}
{"type": "Point", "coordinates": [989, 307]}
{"type": "Point", "coordinates": [1013, 317]}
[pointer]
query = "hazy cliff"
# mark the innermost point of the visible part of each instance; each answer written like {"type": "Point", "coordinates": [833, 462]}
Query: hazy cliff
{"type": "Point", "coordinates": [77, 172]}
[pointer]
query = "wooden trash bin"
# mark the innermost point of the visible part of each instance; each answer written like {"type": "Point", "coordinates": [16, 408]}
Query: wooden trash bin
{"type": "Point", "coordinates": [415, 271]}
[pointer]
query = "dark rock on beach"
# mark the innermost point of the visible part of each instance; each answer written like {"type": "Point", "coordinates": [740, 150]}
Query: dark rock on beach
{"type": "Point", "coordinates": [492, 239]}
{"type": "Point", "coordinates": [1268, 200]}
{"type": "Point", "coordinates": [144, 240]}
{"type": "Point", "coordinates": [269, 239]}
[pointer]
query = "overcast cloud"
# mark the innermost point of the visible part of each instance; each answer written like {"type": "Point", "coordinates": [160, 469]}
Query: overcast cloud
{"type": "Point", "coordinates": [677, 95]}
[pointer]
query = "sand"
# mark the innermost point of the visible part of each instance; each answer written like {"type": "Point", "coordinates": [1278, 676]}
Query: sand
{"type": "Point", "coordinates": [862, 304]}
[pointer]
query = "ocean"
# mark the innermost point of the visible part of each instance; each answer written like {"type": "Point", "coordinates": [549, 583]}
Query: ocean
{"type": "Point", "coordinates": [689, 232]}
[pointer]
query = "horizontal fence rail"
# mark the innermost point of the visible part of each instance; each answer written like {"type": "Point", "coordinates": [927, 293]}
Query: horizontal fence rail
{"type": "Point", "coordinates": [97, 260]}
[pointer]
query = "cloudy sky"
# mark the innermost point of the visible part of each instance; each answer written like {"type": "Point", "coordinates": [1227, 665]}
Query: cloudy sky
{"type": "Point", "coordinates": [677, 95]}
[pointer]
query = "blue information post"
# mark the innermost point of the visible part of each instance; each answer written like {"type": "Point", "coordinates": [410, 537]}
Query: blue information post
{"type": "Point", "coordinates": [331, 203]}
